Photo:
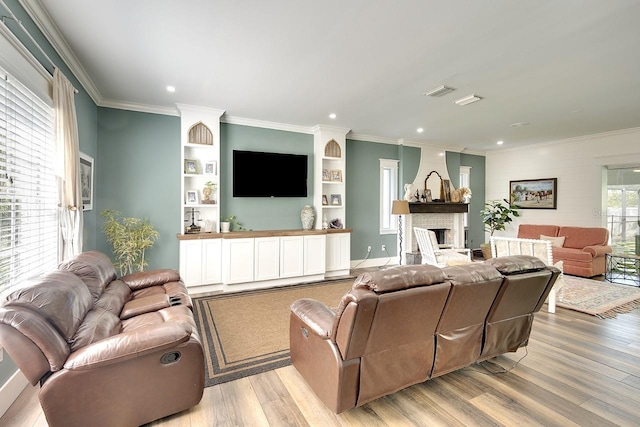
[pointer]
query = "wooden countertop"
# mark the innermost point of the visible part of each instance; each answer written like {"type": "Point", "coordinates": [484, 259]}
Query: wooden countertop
{"type": "Point", "coordinates": [260, 233]}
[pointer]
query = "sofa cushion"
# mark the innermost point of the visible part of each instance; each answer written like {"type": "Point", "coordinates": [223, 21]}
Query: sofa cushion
{"type": "Point", "coordinates": [569, 254]}
{"type": "Point", "coordinates": [556, 242]}
{"type": "Point", "coordinates": [94, 268]}
{"type": "Point", "coordinates": [579, 237]}
{"type": "Point", "coordinates": [516, 264]}
{"type": "Point", "coordinates": [98, 324]}
{"type": "Point", "coordinates": [400, 277]}
{"type": "Point", "coordinates": [60, 297]}
{"type": "Point", "coordinates": [114, 296]}
{"type": "Point", "coordinates": [533, 231]}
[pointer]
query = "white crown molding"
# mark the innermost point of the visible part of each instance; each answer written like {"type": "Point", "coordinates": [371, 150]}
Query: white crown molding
{"type": "Point", "coordinates": [569, 140]}
{"type": "Point", "coordinates": [372, 138]}
{"type": "Point", "coordinates": [234, 120]}
{"type": "Point", "coordinates": [197, 108]}
{"type": "Point", "coordinates": [141, 108]}
{"type": "Point", "coordinates": [328, 128]}
{"type": "Point", "coordinates": [51, 32]}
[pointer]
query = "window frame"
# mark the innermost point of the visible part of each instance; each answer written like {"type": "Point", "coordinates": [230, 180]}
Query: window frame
{"type": "Point", "coordinates": [388, 193]}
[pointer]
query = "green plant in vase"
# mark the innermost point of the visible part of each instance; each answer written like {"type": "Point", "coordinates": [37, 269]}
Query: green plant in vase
{"type": "Point", "coordinates": [129, 239]}
{"type": "Point", "coordinates": [230, 223]}
{"type": "Point", "coordinates": [495, 216]}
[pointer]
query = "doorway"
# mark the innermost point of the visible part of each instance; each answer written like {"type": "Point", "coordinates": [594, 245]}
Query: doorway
{"type": "Point", "coordinates": [623, 222]}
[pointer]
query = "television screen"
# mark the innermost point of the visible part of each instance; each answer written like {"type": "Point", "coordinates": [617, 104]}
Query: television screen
{"type": "Point", "coordinates": [257, 174]}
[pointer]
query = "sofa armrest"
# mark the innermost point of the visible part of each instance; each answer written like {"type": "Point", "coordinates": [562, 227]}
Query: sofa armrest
{"type": "Point", "coordinates": [144, 305]}
{"type": "Point", "coordinates": [597, 250]}
{"type": "Point", "coordinates": [317, 316]}
{"type": "Point", "coordinates": [129, 345]}
{"type": "Point", "coordinates": [145, 279]}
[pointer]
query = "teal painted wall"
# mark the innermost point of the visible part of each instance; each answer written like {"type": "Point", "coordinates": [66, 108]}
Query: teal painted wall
{"type": "Point", "coordinates": [363, 194]}
{"type": "Point", "coordinates": [263, 213]}
{"type": "Point", "coordinates": [477, 179]}
{"type": "Point", "coordinates": [138, 174]}
{"type": "Point", "coordinates": [86, 111]}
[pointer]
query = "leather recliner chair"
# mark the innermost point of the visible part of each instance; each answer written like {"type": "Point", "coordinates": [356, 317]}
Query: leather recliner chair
{"type": "Point", "coordinates": [106, 352]}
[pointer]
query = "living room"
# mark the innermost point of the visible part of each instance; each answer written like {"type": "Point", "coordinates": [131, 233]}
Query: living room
{"type": "Point", "coordinates": [136, 149]}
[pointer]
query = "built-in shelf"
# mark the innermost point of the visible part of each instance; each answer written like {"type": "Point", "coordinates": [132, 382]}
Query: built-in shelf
{"type": "Point", "coordinates": [438, 207]}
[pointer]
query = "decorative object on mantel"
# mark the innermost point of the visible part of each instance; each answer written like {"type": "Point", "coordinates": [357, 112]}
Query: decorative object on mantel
{"type": "Point", "coordinates": [209, 187]}
{"type": "Point", "coordinates": [336, 224]}
{"type": "Point", "coordinates": [461, 195]}
{"type": "Point", "coordinates": [308, 217]}
{"type": "Point", "coordinates": [407, 193]}
{"type": "Point", "coordinates": [495, 216]}
{"type": "Point", "coordinates": [400, 207]}
{"type": "Point", "coordinates": [442, 190]}
{"type": "Point", "coordinates": [193, 228]}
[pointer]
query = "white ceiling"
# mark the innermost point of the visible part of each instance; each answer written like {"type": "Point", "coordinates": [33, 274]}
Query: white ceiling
{"type": "Point", "coordinates": [568, 68]}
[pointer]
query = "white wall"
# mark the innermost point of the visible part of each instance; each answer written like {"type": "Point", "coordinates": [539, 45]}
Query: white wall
{"type": "Point", "coordinates": [578, 163]}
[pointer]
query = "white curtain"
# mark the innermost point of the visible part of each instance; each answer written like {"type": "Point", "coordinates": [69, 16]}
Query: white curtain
{"type": "Point", "coordinates": [68, 163]}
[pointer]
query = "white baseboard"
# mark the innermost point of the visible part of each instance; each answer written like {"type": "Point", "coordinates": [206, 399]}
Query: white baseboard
{"type": "Point", "coordinates": [10, 391]}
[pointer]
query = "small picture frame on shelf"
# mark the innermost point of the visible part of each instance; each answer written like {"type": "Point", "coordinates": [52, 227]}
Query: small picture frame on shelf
{"type": "Point", "coordinates": [336, 175]}
{"type": "Point", "coordinates": [210, 167]}
{"type": "Point", "coordinates": [190, 166]}
{"type": "Point", "coordinates": [325, 175]}
{"type": "Point", "coordinates": [191, 197]}
{"type": "Point", "coordinates": [325, 200]}
{"type": "Point", "coordinates": [427, 196]}
{"type": "Point", "coordinates": [336, 200]}
{"type": "Point", "coordinates": [446, 186]}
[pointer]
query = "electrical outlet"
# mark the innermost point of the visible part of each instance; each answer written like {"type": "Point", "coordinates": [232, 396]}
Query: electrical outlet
{"type": "Point", "coordinates": [368, 249]}
{"type": "Point", "coordinates": [384, 248]}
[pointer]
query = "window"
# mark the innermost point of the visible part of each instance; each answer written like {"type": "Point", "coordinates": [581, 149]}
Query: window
{"type": "Point", "coordinates": [28, 188]}
{"type": "Point", "coordinates": [465, 181]}
{"type": "Point", "coordinates": [388, 193]}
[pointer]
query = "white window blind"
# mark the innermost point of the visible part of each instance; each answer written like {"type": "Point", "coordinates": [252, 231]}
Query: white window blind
{"type": "Point", "coordinates": [28, 188]}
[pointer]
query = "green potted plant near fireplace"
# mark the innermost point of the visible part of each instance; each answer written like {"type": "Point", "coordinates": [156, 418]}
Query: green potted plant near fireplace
{"type": "Point", "coordinates": [495, 216]}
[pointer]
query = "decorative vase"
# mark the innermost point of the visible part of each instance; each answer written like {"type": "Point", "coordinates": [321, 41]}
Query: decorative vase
{"type": "Point", "coordinates": [308, 217]}
{"type": "Point", "coordinates": [225, 226]}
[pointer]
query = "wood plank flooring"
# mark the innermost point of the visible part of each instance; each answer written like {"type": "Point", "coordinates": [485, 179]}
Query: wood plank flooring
{"type": "Point", "coordinates": [578, 370]}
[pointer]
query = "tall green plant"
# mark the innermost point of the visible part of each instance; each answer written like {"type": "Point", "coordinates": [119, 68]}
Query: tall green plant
{"type": "Point", "coordinates": [129, 239]}
{"type": "Point", "coordinates": [496, 215]}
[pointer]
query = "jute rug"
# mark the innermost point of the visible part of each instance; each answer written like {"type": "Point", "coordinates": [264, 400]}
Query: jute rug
{"type": "Point", "coordinates": [246, 333]}
{"type": "Point", "coordinates": [601, 299]}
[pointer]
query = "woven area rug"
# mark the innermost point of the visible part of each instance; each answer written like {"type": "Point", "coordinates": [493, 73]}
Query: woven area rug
{"type": "Point", "coordinates": [601, 299]}
{"type": "Point", "coordinates": [246, 333]}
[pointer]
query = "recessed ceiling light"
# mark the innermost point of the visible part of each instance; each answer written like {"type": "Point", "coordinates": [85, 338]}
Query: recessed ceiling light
{"type": "Point", "coordinates": [518, 124]}
{"type": "Point", "coordinates": [440, 154]}
{"type": "Point", "coordinates": [500, 142]}
{"type": "Point", "coordinates": [332, 116]}
{"type": "Point", "coordinates": [440, 91]}
{"type": "Point", "coordinates": [467, 100]}
{"type": "Point", "coordinates": [636, 170]}
{"type": "Point", "coordinates": [419, 130]}
{"type": "Point", "coordinates": [171, 89]}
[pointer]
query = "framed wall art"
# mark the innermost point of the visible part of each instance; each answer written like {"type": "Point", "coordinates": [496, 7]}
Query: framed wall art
{"type": "Point", "coordinates": [86, 181]}
{"type": "Point", "coordinates": [534, 193]}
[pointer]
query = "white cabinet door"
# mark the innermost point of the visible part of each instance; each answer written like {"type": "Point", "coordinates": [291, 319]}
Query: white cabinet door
{"type": "Point", "coordinates": [291, 256]}
{"type": "Point", "coordinates": [338, 251]}
{"type": "Point", "coordinates": [314, 254]}
{"type": "Point", "coordinates": [191, 262]}
{"type": "Point", "coordinates": [211, 261]}
{"type": "Point", "coordinates": [238, 260]}
{"type": "Point", "coordinates": [267, 258]}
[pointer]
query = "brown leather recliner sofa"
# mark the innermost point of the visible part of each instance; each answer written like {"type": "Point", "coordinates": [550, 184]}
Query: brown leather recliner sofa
{"type": "Point", "coordinates": [106, 351]}
{"type": "Point", "coordinates": [404, 325]}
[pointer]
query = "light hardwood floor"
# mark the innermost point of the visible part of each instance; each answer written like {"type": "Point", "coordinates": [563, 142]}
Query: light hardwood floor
{"type": "Point", "coordinates": [578, 370]}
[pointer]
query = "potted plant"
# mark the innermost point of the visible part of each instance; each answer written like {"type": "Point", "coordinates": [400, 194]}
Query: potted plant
{"type": "Point", "coordinates": [129, 239]}
{"type": "Point", "coordinates": [230, 223]}
{"type": "Point", "coordinates": [495, 216]}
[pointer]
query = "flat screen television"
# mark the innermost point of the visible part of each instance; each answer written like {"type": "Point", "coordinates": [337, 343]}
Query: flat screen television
{"type": "Point", "coordinates": [258, 174]}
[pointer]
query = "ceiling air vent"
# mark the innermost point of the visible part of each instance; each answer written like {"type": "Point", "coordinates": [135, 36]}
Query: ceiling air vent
{"type": "Point", "coordinates": [440, 91]}
{"type": "Point", "coordinates": [467, 100]}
